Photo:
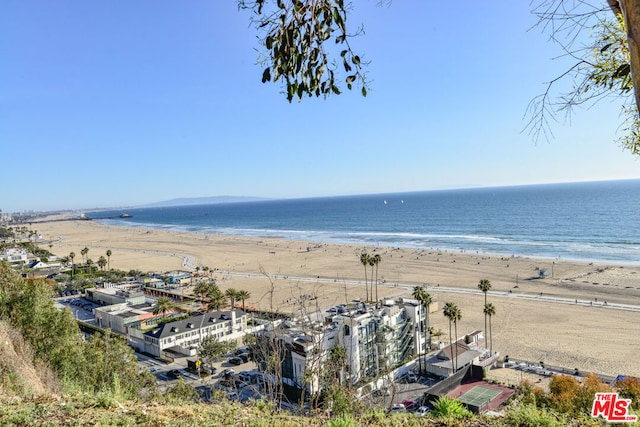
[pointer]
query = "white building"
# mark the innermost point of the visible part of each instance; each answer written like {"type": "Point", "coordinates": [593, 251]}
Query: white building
{"type": "Point", "coordinates": [379, 337]}
{"type": "Point", "coordinates": [14, 255]}
{"type": "Point", "coordinates": [376, 338]}
{"type": "Point", "coordinates": [184, 336]}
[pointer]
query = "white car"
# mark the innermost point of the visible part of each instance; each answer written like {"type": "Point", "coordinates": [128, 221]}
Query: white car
{"type": "Point", "coordinates": [422, 411]}
{"type": "Point", "coordinates": [398, 407]}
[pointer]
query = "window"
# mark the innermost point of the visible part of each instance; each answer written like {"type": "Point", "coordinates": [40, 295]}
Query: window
{"type": "Point", "coordinates": [347, 330]}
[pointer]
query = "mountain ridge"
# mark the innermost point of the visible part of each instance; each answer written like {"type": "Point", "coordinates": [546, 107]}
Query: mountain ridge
{"type": "Point", "coordinates": [211, 200]}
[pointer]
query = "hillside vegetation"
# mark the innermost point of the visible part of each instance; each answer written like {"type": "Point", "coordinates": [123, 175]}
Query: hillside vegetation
{"type": "Point", "coordinates": [50, 375]}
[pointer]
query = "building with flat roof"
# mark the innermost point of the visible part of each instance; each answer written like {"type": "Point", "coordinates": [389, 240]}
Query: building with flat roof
{"type": "Point", "coordinates": [124, 316]}
{"type": "Point", "coordinates": [176, 277]}
{"type": "Point", "coordinates": [116, 294]}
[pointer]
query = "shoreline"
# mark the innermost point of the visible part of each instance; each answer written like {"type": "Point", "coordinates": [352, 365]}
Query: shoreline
{"type": "Point", "coordinates": [278, 272]}
{"type": "Point", "coordinates": [282, 235]}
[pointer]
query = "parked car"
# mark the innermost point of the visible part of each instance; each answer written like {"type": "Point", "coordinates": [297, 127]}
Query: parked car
{"type": "Point", "coordinates": [236, 360]}
{"type": "Point", "coordinates": [244, 357]}
{"type": "Point", "coordinates": [208, 370]}
{"type": "Point", "coordinates": [412, 378]}
{"type": "Point", "coordinates": [227, 372]}
{"type": "Point", "coordinates": [410, 404]}
{"type": "Point", "coordinates": [422, 411]}
{"type": "Point", "coordinates": [241, 350]}
{"type": "Point", "coordinates": [244, 376]}
{"type": "Point", "coordinates": [383, 391]}
{"type": "Point", "coordinates": [174, 373]}
{"type": "Point", "coordinates": [398, 407]}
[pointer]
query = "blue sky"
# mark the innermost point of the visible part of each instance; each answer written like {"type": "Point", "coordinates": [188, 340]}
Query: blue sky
{"type": "Point", "coordinates": [106, 104]}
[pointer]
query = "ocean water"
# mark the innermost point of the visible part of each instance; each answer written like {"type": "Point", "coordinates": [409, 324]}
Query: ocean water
{"type": "Point", "coordinates": [596, 221]}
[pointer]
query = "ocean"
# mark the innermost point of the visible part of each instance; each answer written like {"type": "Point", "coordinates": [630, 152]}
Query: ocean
{"type": "Point", "coordinates": [594, 221]}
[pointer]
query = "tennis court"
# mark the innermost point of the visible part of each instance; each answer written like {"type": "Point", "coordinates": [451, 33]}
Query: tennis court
{"type": "Point", "coordinates": [479, 396]}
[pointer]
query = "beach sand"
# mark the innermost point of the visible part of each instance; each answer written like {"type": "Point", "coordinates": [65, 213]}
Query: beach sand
{"type": "Point", "coordinates": [280, 273]}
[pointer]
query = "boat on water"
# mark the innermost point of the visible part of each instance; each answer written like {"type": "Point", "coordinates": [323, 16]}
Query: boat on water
{"type": "Point", "coordinates": [126, 215]}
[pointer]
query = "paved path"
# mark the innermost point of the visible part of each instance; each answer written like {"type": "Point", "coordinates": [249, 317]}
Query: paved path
{"type": "Point", "coordinates": [188, 261]}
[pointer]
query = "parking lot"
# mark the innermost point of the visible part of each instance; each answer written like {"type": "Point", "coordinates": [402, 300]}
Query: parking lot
{"type": "Point", "coordinates": [81, 308]}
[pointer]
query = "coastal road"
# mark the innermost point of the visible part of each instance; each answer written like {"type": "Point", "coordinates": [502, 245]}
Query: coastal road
{"type": "Point", "coordinates": [407, 288]}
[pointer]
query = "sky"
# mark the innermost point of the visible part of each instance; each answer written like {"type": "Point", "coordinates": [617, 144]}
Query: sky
{"type": "Point", "coordinates": [124, 103]}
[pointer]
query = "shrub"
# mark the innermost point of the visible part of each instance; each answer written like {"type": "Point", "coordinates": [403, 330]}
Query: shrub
{"type": "Point", "coordinates": [448, 407]}
{"type": "Point", "coordinates": [343, 421]}
{"type": "Point", "coordinates": [531, 416]}
{"type": "Point", "coordinates": [182, 392]}
{"type": "Point", "coordinates": [563, 390]}
{"type": "Point", "coordinates": [583, 400]}
{"type": "Point", "coordinates": [533, 395]}
{"type": "Point", "coordinates": [629, 388]}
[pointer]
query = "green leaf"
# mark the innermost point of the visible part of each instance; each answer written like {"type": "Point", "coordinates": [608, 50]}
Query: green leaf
{"type": "Point", "coordinates": [269, 42]}
{"type": "Point", "coordinates": [623, 70]}
{"type": "Point", "coordinates": [350, 79]}
{"type": "Point", "coordinates": [605, 47]}
{"type": "Point", "coordinates": [356, 60]}
{"type": "Point", "coordinates": [266, 75]}
{"type": "Point", "coordinates": [364, 91]}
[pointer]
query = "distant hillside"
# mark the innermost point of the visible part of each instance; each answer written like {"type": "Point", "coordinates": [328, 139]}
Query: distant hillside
{"type": "Point", "coordinates": [190, 201]}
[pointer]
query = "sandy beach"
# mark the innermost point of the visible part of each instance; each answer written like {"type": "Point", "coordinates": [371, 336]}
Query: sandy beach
{"type": "Point", "coordinates": [580, 315]}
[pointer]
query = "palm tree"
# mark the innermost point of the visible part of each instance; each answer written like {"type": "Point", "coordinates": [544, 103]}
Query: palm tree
{"type": "Point", "coordinates": [452, 312]}
{"type": "Point", "coordinates": [364, 260]}
{"type": "Point", "coordinates": [203, 288]}
{"type": "Point", "coordinates": [484, 286]}
{"type": "Point", "coordinates": [377, 259]}
{"type": "Point", "coordinates": [89, 263]}
{"type": "Point", "coordinates": [162, 305]}
{"type": "Point", "coordinates": [456, 318]}
{"type": "Point", "coordinates": [427, 300]}
{"type": "Point", "coordinates": [216, 299]}
{"type": "Point", "coordinates": [109, 258]}
{"type": "Point", "coordinates": [84, 252]}
{"type": "Point", "coordinates": [102, 261]}
{"type": "Point", "coordinates": [372, 263]}
{"type": "Point", "coordinates": [72, 255]}
{"type": "Point", "coordinates": [232, 294]}
{"type": "Point", "coordinates": [243, 295]}
{"type": "Point", "coordinates": [418, 293]}
{"type": "Point", "coordinates": [490, 310]}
